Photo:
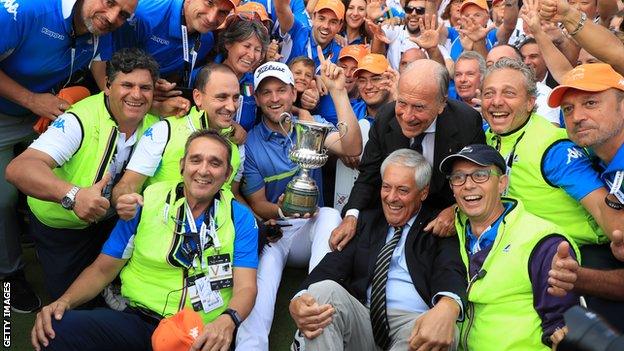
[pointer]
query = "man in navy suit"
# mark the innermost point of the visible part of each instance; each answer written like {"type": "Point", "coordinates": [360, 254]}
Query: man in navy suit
{"type": "Point", "coordinates": [394, 284]}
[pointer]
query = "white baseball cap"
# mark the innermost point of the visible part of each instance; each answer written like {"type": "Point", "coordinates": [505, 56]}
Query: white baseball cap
{"type": "Point", "coordinates": [273, 69]}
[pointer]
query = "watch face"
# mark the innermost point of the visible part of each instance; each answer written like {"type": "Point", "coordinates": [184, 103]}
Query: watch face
{"type": "Point", "coordinates": [67, 203]}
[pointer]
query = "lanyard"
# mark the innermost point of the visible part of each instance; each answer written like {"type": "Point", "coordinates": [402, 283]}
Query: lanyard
{"type": "Point", "coordinates": [95, 40]}
{"type": "Point", "coordinates": [189, 54]}
{"type": "Point", "coordinates": [204, 231]}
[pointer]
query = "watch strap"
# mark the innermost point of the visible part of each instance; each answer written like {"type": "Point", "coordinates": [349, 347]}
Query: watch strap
{"type": "Point", "coordinates": [234, 315]}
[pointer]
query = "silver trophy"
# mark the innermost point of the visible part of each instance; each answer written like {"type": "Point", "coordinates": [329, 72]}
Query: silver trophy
{"type": "Point", "coordinates": [301, 194]}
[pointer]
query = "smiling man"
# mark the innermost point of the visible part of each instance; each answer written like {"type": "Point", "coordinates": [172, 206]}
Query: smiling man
{"type": "Point", "coordinates": [469, 72]}
{"type": "Point", "coordinates": [189, 233]}
{"type": "Point", "coordinates": [177, 33]}
{"type": "Point", "coordinates": [38, 40]}
{"type": "Point", "coordinates": [394, 286]}
{"type": "Point", "coordinates": [68, 173]}
{"type": "Point", "coordinates": [158, 153]}
{"type": "Point", "coordinates": [551, 175]}
{"type": "Point", "coordinates": [422, 119]}
{"type": "Point", "coordinates": [499, 243]}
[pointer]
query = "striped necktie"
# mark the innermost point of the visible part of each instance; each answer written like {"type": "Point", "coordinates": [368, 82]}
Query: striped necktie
{"type": "Point", "coordinates": [379, 317]}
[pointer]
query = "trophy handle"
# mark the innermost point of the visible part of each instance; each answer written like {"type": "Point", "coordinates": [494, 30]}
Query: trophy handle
{"type": "Point", "coordinates": [344, 127]}
{"type": "Point", "coordinates": [286, 117]}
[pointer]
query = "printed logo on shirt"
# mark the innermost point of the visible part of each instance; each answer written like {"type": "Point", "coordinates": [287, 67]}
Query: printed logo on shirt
{"type": "Point", "coordinates": [160, 41]}
{"type": "Point", "coordinates": [59, 123]}
{"type": "Point", "coordinates": [51, 34]}
{"type": "Point", "coordinates": [11, 7]}
{"type": "Point", "coordinates": [574, 153]}
{"type": "Point", "coordinates": [149, 133]}
{"type": "Point", "coordinates": [507, 248]}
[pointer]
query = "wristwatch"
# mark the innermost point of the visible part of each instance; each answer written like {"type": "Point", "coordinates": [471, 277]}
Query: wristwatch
{"type": "Point", "coordinates": [234, 315]}
{"type": "Point", "coordinates": [69, 200]}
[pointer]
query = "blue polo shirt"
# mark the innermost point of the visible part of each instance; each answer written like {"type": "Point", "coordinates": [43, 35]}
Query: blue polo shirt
{"type": "Point", "coordinates": [267, 164]}
{"type": "Point", "coordinates": [611, 170]}
{"type": "Point", "coordinates": [303, 44]}
{"type": "Point", "coordinates": [36, 46]}
{"type": "Point", "coordinates": [156, 27]}
{"type": "Point", "coordinates": [456, 46]}
{"type": "Point", "coordinates": [564, 164]}
{"type": "Point", "coordinates": [296, 6]}
{"type": "Point", "coordinates": [120, 243]}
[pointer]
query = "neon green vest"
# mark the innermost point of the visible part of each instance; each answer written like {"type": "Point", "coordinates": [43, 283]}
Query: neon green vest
{"type": "Point", "coordinates": [148, 280]}
{"type": "Point", "coordinates": [500, 314]}
{"type": "Point", "coordinates": [179, 131]}
{"type": "Point", "coordinates": [89, 164]}
{"type": "Point", "coordinates": [527, 183]}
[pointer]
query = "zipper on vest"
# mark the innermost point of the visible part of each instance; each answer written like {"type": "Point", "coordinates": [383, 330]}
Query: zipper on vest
{"type": "Point", "coordinates": [184, 289]}
{"type": "Point", "coordinates": [480, 274]}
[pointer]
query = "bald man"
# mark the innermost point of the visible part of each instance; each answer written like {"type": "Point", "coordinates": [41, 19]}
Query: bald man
{"type": "Point", "coordinates": [410, 55]}
{"type": "Point", "coordinates": [422, 118]}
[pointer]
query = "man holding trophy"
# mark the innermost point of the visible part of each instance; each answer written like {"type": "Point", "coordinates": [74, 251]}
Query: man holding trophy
{"type": "Point", "coordinates": [282, 181]}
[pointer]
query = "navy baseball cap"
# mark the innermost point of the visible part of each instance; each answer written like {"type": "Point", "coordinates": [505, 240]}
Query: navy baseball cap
{"type": "Point", "coordinates": [481, 154]}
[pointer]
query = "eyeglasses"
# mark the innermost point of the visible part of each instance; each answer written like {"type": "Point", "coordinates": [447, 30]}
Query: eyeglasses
{"type": "Point", "coordinates": [480, 176]}
{"type": "Point", "coordinates": [410, 10]}
{"type": "Point", "coordinates": [613, 202]}
{"type": "Point", "coordinates": [374, 80]}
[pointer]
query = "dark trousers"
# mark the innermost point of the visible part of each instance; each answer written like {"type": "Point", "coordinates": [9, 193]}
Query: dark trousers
{"type": "Point", "coordinates": [65, 253]}
{"type": "Point", "coordinates": [102, 329]}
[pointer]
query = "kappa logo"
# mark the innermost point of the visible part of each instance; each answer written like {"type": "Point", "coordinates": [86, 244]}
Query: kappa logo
{"type": "Point", "coordinates": [577, 73]}
{"type": "Point", "coordinates": [51, 34]}
{"type": "Point", "coordinates": [11, 7]}
{"type": "Point", "coordinates": [59, 123]}
{"type": "Point", "coordinates": [160, 41]}
{"type": "Point", "coordinates": [194, 333]}
{"type": "Point", "coordinates": [573, 153]}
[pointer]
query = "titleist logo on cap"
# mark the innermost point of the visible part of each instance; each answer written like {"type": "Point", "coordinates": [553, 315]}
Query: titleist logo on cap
{"type": "Point", "coordinates": [269, 68]}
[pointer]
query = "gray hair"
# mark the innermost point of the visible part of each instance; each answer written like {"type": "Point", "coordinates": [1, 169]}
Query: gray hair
{"type": "Point", "coordinates": [473, 55]}
{"type": "Point", "coordinates": [440, 72]}
{"type": "Point", "coordinates": [412, 159]}
{"type": "Point", "coordinates": [509, 63]}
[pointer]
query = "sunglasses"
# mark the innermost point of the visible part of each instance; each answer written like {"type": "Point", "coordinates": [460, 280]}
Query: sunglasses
{"type": "Point", "coordinates": [247, 16]}
{"type": "Point", "coordinates": [411, 9]}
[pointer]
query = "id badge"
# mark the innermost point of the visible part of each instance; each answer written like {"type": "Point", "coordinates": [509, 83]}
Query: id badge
{"type": "Point", "coordinates": [201, 294]}
{"type": "Point", "coordinates": [220, 272]}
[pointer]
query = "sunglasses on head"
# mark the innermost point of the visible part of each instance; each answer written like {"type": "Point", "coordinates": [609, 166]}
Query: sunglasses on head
{"type": "Point", "coordinates": [411, 9]}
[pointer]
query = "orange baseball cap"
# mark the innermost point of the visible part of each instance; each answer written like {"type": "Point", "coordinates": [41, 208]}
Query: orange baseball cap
{"type": "Point", "coordinates": [356, 52]}
{"type": "Point", "coordinates": [178, 332]}
{"type": "Point", "coordinates": [481, 3]}
{"type": "Point", "coordinates": [373, 63]}
{"type": "Point", "coordinates": [335, 5]}
{"type": "Point", "coordinates": [593, 77]}
{"type": "Point", "coordinates": [256, 8]}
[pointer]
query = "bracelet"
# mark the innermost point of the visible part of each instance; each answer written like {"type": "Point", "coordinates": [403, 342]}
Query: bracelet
{"type": "Point", "coordinates": [579, 25]}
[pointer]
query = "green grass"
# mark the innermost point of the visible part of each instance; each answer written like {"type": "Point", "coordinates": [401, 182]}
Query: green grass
{"type": "Point", "coordinates": [280, 337]}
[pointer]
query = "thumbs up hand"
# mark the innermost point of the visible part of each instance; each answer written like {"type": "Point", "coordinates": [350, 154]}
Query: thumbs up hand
{"type": "Point", "coordinates": [127, 205]}
{"type": "Point", "coordinates": [563, 271]}
{"type": "Point", "coordinates": [90, 204]}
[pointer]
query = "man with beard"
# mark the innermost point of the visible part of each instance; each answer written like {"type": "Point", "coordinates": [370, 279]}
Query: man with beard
{"type": "Point", "coordinates": [268, 169]}
{"type": "Point", "coordinates": [591, 98]}
{"type": "Point", "coordinates": [69, 171]}
{"type": "Point", "coordinates": [44, 43]}
{"type": "Point", "coordinates": [158, 153]}
{"type": "Point", "coordinates": [177, 33]}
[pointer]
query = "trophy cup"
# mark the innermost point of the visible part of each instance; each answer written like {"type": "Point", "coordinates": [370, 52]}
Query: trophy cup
{"type": "Point", "coordinates": [301, 194]}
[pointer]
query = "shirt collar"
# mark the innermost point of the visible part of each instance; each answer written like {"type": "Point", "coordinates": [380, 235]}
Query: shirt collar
{"type": "Point", "coordinates": [67, 7]}
{"type": "Point", "coordinates": [432, 127]}
{"type": "Point", "coordinates": [616, 164]}
{"type": "Point", "coordinates": [175, 19]}
{"type": "Point", "coordinates": [266, 133]}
